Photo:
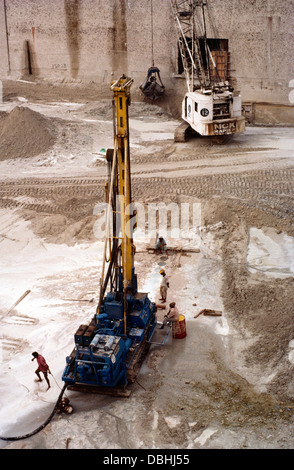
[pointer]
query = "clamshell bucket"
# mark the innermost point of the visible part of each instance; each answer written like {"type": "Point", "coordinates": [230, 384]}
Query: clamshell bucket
{"type": "Point", "coordinates": [153, 87]}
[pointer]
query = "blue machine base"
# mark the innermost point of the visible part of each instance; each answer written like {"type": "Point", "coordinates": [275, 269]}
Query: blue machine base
{"type": "Point", "coordinates": [104, 356]}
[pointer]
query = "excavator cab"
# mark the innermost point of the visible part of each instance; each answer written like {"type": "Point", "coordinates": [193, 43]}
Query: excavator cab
{"type": "Point", "coordinates": [153, 87]}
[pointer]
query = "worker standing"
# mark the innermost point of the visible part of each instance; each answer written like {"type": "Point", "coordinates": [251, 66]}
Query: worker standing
{"type": "Point", "coordinates": [171, 316]}
{"type": "Point", "coordinates": [42, 367]}
{"type": "Point", "coordinates": [164, 285]}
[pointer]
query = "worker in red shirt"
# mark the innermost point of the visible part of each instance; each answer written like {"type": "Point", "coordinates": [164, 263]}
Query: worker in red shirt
{"type": "Point", "coordinates": [42, 367]}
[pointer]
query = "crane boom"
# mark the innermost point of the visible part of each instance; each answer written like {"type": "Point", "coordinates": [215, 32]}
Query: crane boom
{"type": "Point", "coordinates": [190, 25]}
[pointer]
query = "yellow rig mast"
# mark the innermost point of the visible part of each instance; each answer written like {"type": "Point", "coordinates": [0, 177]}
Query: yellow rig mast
{"type": "Point", "coordinates": [121, 96]}
{"type": "Point", "coordinates": [120, 190]}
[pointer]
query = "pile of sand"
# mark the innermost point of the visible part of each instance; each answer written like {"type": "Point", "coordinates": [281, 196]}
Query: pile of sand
{"type": "Point", "coordinates": [103, 110]}
{"type": "Point", "coordinates": [24, 133]}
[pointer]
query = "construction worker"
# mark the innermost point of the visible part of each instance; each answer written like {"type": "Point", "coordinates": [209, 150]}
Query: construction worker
{"type": "Point", "coordinates": [42, 367]}
{"type": "Point", "coordinates": [171, 316]}
{"type": "Point", "coordinates": [164, 285]}
{"type": "Point", "coordinates": [160, 246]}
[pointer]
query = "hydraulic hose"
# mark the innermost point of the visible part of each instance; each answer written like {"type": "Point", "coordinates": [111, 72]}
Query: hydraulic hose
{"type": "Point", "coordinates": [25, 436]}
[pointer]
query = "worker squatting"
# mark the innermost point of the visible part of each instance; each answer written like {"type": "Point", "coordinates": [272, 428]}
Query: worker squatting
{"type": "Point", "coordinates": [149, 459]}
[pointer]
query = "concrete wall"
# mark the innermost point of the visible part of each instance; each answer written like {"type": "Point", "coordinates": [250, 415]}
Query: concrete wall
{"type": "Point", "coordinates": [4, 48]}
{"type": "Point", "coordinates": [98, 40]}
{"type": "Point", "coordinates": [261, 41]}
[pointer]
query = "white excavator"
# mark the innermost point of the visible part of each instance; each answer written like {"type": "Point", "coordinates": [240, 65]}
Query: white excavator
{"type": "Point", "coordinates": [210, 107]}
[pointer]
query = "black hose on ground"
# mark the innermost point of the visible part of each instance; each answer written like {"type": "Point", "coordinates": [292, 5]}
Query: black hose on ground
{"type": "Point", "coordinates": [25, 436]}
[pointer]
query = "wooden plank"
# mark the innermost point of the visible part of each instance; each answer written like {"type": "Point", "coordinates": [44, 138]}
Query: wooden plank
{"type": "Point", "coordinates": [17, 302]}
{"type": "Point", "coordinates": [176, 250]}
{"type": "Point", "coordinates": [209, 312]}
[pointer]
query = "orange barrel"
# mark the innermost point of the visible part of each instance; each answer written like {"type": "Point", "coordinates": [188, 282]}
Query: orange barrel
{"type": "Point", "coordinates": [179, 328]}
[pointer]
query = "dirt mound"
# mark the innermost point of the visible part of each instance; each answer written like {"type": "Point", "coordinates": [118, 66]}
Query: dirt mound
{"type": "Point", "coordinates": [24, 133]}
{"type": "Point", "coordinates": [103, 110]}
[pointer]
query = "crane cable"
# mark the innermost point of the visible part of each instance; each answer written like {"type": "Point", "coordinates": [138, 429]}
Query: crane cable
{"type": "Point", "coordinates": [152, 39]}
{"type": "Point", "coordinates": [107, 227]}
{"type": "Point", "coordinates": [25, 436]}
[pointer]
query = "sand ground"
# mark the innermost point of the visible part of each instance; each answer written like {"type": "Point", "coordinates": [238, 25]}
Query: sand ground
{"type": "Point", "coordinates": [229, 384]}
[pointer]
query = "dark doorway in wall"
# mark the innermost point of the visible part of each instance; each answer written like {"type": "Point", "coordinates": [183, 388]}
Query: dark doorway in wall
{"type": "Point", "coordinates": [219, 61]}
{"type": "Point", "coordinates": [218, 44]}
{"type": "Point", "coordinates": [220, 56]}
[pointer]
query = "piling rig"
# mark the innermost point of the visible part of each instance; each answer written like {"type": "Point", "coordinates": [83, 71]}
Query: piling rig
{"type": "Point", "coordinates": [109, 350]}
{"type": "Point", "coordinates": [210, 106]}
